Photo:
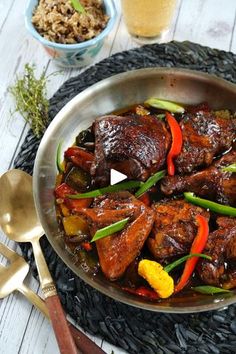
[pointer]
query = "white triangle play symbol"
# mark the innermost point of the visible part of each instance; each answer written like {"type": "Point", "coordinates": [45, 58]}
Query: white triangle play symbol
{"type": "Point", "coordinates": [116, 176]}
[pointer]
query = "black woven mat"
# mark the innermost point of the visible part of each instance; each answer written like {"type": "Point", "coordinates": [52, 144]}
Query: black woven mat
{"type": "Point", "coordinates": [137, 331]}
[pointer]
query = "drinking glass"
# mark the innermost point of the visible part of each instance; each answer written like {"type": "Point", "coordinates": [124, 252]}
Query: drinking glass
{"type": "Point", "coordinates": [148, 20]}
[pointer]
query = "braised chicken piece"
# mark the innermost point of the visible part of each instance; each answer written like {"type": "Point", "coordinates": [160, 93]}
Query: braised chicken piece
{"type": "Point", "coordinates": [174, 228]}
{"type": "Point", "coordinates": [116, 252]}
{"type": "Point", "coordinates": [205, 136]}
{"type": "Point", "coordinates": [221, 246]}
{"type": "Point", "coordinates": [134, 145]}
{"type": "Point", "coordinates": [212, 183]}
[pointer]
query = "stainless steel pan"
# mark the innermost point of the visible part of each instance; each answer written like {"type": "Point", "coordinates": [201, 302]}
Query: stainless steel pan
{"type": "Point", "coordinates": [106, 96]}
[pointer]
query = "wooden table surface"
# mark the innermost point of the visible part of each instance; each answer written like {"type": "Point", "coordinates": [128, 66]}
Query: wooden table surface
{"type": "Point", "coordinates": [209, 22]}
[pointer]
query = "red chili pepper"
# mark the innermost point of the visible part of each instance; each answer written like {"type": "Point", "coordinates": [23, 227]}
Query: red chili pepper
{"type": "Point", "coordinates": [177, 141]}
{"type": "Point", "coordinates": [87, 246]}
{"type": "Point", "coordinates": [77, 204]}
{"type": "Point", "coordinates": [63, 189]}
{"type": "Point", "coordinates": [142, 291]}
{"type": "Point", "coordinates": [80, 157]}
{"type": "Point", "coordinates": [145, 198]}
{"type": "Point", "coordinates": [198, 245]}
{"type": "Point", "coordinates": [73, 204]}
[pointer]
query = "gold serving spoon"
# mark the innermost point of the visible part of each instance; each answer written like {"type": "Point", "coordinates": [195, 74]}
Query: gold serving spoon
{"type": "Point", "coordinates": [19, 221]}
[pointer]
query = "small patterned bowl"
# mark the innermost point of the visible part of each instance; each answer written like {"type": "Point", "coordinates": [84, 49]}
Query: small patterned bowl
{"type": "Point", "coordinates": [72, 55]}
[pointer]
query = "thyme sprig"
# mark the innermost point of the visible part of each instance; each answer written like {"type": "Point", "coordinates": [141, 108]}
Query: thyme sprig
{"type": "Point", "coordinates": [30, 99]}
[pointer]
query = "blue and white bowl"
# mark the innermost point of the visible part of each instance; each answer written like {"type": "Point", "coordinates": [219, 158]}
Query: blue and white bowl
{"type": "Point", "coordinates": [72, 55]}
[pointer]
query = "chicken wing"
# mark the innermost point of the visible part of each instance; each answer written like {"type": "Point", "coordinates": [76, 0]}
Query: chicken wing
{"type": "Point", "coordinates": [212, 182]}
{"type": "Point", "coordinates": [116, 252]}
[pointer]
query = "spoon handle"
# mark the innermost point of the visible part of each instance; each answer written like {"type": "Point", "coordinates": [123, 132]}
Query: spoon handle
{"type": "Point", "coordinates": [63, 335]}
{"type": "Point", "coordinates": [60, 325]}
{"type": "Point", "coordinates": [42, 267]}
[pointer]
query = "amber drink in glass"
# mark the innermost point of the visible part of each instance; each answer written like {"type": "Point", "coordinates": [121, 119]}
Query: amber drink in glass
{"type": "Point", "coordinates": [148, 20]}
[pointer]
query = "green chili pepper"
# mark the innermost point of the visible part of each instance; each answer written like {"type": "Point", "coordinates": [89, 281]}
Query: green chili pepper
{"type": "Point", "coordinates": [109, 189]}
{"type": "Point", "coordinates": [166, 105]}
{"type": "Point", "coordinates": [176, 263]}
{"type": "Point", "coordinates": [150, 182]}
{"type": "Point", "coordinates": [76, 4]}
{"type": "Point", "coordinates": [109, 230]}
{"type": "Point", "coordinates": [160, 116]}
{"type": "Point", "coordinates": [58, 159]}
{"type": "Point", "coordinates": [210, 290]}
{"type": "Point", "coordinates": [230, 168]}
{"type": "Point", "coordinates": [207, 204]}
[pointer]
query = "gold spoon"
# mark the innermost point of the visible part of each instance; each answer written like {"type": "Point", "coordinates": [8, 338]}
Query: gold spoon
{"type": "Point", "coordinates": [19, 221]}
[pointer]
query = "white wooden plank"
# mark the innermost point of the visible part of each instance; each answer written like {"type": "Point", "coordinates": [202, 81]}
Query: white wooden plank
{"type": "Point", "coordinates": [5, 8]}
{"type": "Point", "coordinates": [14, 316]}
{"type": "Point", "coordinates": [233, 38]}
{"type": "Point", "coordinates": [123, 40]}
{"type": "Point", "coordinates": [170, 34]}
{"type": "Point", "coordinates": [39, 337]}
{"type": "Point", "coordinates": [19, 51]}
{"type": "Point", "coordinates": [3, 260]}
{"type": "Point", "coordinates": [208, 22]}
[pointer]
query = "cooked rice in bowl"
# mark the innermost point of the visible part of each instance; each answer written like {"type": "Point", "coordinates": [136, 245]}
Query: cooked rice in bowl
{"type": "Point", "coordinates": [57, 20]}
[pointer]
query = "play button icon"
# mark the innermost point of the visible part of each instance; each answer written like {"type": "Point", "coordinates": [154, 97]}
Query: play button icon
{"type": "Point", "coordinates": [116, 176]}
